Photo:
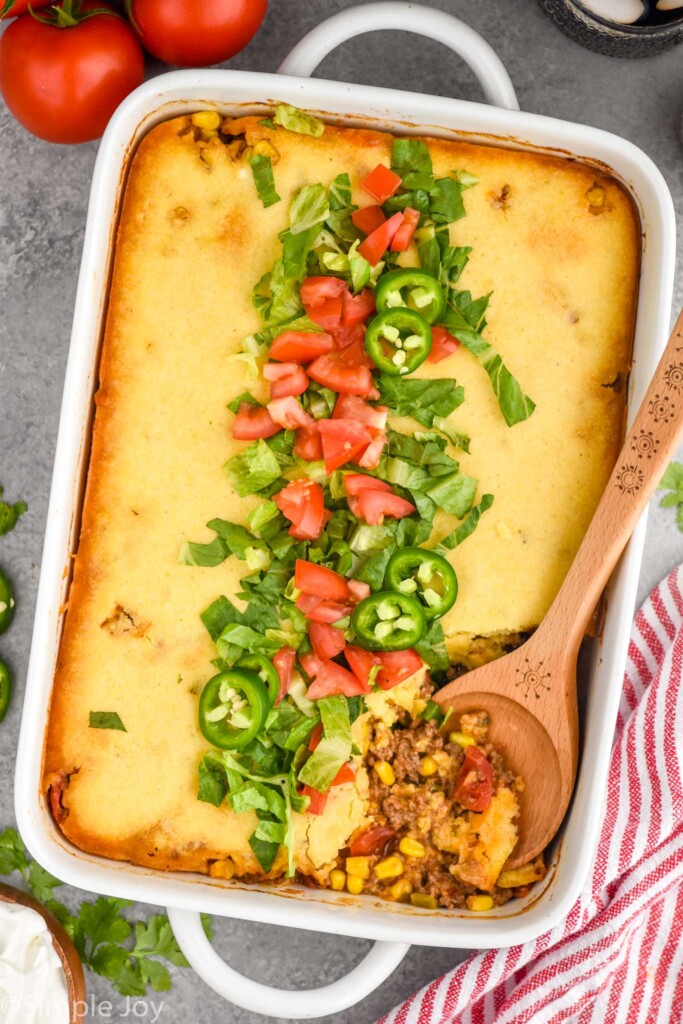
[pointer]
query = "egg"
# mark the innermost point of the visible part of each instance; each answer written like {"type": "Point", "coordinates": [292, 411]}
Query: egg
{"type": "Point", "coordinates": [670, 5]}
{"type": "Point", "coordinates": [622, 12]}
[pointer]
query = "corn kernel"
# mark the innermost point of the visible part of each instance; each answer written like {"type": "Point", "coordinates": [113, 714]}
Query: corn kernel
{"type": "Point", "coordinates": [462, 739]}
{"type": "Point", "coordinates": [524, 875]}
{"type": "Point", "coordinates": [411, 847]}
{"type": "Point", "coordinates": [359, 867]}
{"type": "Point", "coordinates": [265, 148]}
{"type": "Point", "coordinates": [354, 884]}
{"type": "Point", "coordinates": [428, 766]}
{"type": "Point", "coordinates": [390, 867]}
{"type": "Point", "coordinates": [207, 120]}
{"type": "Point", "coordinates": [385, 772]}
{"type": "Point", "coordinates": [401, 889]}
{"type": "Point", "coordinates": [337, 880]}
{"type": "Point", "coordinates": [419, 899]}
{"type": "Point", "coordinates": [222, 869]}
{"type": "Point", "coordinates": [479, 903]}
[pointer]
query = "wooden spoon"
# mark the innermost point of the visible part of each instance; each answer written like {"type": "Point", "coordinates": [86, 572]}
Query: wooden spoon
{"type": "Point", "coordinates": [530, 693]}
{"type": "Point", "coordinates": [64, 947]}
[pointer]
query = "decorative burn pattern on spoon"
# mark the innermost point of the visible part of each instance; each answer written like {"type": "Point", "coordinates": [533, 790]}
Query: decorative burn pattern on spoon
{"type": "Point", "coordinates": [532, 680]}
{"type": "Point", "coordinates": [630, 479]}
{"type": "Point", "coordinates": [644, 445]}
{"type": "Point", "coordinates": [673, 377]}
{"type": "Point", "coordinates": [662, 409]}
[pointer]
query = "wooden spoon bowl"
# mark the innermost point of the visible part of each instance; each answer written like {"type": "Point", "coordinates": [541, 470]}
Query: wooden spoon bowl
{"type": "Point", "coordinates": [64, 947]}
{"type": "Point", "coordinates": [530, 693]}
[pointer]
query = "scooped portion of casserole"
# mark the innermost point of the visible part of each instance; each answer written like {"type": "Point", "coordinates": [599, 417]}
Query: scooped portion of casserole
{"type": "Point", "coordinates": [388, 374]}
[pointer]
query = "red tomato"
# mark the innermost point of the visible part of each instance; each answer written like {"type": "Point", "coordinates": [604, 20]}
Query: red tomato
{"type": "Point", "coordinates": [63, 84]}
{"type": "Point", "coordinates": [288, 413]}
{"type": "Point", "coordinates": [368, 218]}
{"type": "Point", "coordinates": [373, 453]}
{"type": "Point", "coordinates": [343, 441]}
{"type": "Point", "coordinates": [320, 581]}
{"type": "Point", "coordinates": [377, 243]}
{"type": "Point", "coordinates": [345, 774]}
{"type": "Point", "coordinates": [315, 291]}
{"type": "Point", "coordinates": [308, 444]}
{"type": "Point", "coordinates": [333, 373]}
{"type": "Point", "coordinates": [474, 786]}
{"type": "Point", "coordinates": [310, 664]}
{"type": "Point", "coordinates": [191, 34]}
{"type": "Point", "coordinates": [374, 505]}
{"type": "Point", "coordinates": [317, 800]}
{"type": "Point", "coordinates": [361, 662]}
{"type": "Point", "coordinates": [381, 183]}
{"type": "Point", "coordinates": [316, 737]}
{"type": "Point", "coordinates": [327, 641]}
{"type": "Point", "coordinates": [357, 308]}
{"type": "Point", "coordinates": [285, 379]}
{"type": "Point", "coordinates": [353, 338]}
{"type": "Point", "coordinates": [318, 610]}
{"type": "Point", "coordinates": [358, 590]}
{"type": "Point", "coordinates": [332, 679]}
{"type": "Point", "coordinates": [351, 407]}
{"type": "Point", "coordinates": [303, 503]}
{"type": "Point", "coordinates": [443, 344]}
{"type": "Point", "coordinates": [300, 346]}
{"type": "Point", "coordinates": [354, 483]}
{"type": "Point", "coordinates": [328, 315]}
{"type": "Point", "coordinates": [15, 8]}
{"type": "Point", "coordinates": [283, 660]}
{"type": "Point", "coordinates": [372, 840]}
{"type": "Point", "coordinates": [397, 666]}
{"type": "Point", "coordinates": [253, 421]}
{"type": "Point", "coordinates": [404, 235]}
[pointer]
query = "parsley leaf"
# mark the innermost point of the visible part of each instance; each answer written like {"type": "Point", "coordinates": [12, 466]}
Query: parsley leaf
{"type": "Point", "coordinates": [12, 852]}
{"type": "Point", "coordinates": [672, 481]}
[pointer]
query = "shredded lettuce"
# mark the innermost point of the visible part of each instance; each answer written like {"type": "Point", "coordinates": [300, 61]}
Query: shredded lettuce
{"type": "Point", "coordinates": [254, 469]}
{"type": "Point", "coordinates": [423, 399]}
{"type": "Point", "coordinates": [411, 160]}
{"type": "Point", "coordinates": [262, 170]}
{"type": "Point", "coordinates": [309, 208]}
{"type": "Point", "coordinates": [295, 120]}
{"type": "Point", "coordinates": [466, 528]}
{"type": "Point", "coordinates": [334, 748]}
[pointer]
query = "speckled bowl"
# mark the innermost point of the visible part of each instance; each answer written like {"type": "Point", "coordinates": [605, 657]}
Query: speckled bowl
{"type": "Point", "coordinates": [606, 37]}
{"type": "Point", "coordinates": [64, 948]}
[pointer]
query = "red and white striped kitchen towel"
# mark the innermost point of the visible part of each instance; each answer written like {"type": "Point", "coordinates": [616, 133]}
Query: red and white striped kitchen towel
{"type": "Point", "coordinates": [618, 956]}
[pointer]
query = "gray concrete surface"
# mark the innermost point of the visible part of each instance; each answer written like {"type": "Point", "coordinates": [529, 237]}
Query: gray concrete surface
{"type": "Point", "coordinates": [43, 200]}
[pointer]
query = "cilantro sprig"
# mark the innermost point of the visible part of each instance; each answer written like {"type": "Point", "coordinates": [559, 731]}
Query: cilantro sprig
{"type": "Point", "coordinates": [672, 481]}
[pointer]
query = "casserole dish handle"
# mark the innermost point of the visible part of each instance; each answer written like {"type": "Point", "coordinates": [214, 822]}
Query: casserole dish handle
{"type": "Point", "coordinates": [424, 21]}
{"type": "Point", "coordinates": [383, 958]}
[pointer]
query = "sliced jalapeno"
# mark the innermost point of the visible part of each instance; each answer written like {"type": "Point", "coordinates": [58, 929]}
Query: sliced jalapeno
{"type": "Point", "coordinates": [388, 621]}
{"type": "Point", "coordinates": [6, 602]}
{"type": "Point", "coordinates": [398, 340]}
{"type": "Point", "coordinates": [5, 689]}
{"type": "Point", "coordinates": [414, 289]}
{"type": "Point", "coordinates": [427, 576]}
{"type": "Point", "coordinates": [265, 670]}
{"type": "Point", "coordinates": [232, 708]}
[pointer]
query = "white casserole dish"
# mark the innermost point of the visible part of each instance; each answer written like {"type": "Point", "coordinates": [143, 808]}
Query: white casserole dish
{"type": "Point", "coordinates": [395, 926]}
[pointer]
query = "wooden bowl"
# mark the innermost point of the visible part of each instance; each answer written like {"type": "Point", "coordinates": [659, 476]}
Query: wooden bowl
{"type": "Point", "coordinates": [64, 947]}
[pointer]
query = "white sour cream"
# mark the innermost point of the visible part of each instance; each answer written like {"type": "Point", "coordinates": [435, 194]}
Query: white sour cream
{"type": "Point", "coordinates": [32, 980]}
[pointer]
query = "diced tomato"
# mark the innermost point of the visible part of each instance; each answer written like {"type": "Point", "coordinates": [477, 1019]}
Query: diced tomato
{"type": "Point", "coordinates": [252, 422]}
{"type": "Point", "coordinates": [377, 243]}
{"type": "Point", "coordinates": [343, 441]}
{"type": "Point", "coordinates": [320, 581]}
{"type": "Point", "coordinates": [310, 664]}
{"type": "Point", "coordinates": [303, 503]}
{"type": "Point", "coordinates": [357, 308]}
{"type": "Point", "coordinates": [345, 774]}
{"type": "Point", "coordinates": [327, 641]}
{"type": "Point", "coordinates": [283, 660]}
{"type": "Point", "coordinates": [353, 352]}
{"type": "Point", "coordinates": [300, 346]}
{"type": "Point", "coordinates": [354, 483]}
{"type": "Point", "coordinates": [289, 413]}
{"type": "Point", "coordinates": [358, 590]}
{"type": "Point", "coordinates": [373, 840]}
{"type": "Point", "coordinates": [316, 737]}
{"type": "Point", "coordinates": [332, 679]}
{"type": "Point", "coordinates": [308, 444]}
{"type": "Point", "coordinates": [315, 291]}
{"type": "Point", "coordinates": [373, 453]}
{"type": "Point", "coordinates": [318, 610]}
{"type": "Point", "coordinates": [346, 336]}
{"type": "Point", "coordinates": [361, 662]}
{"type": "Point", "coordinates": [317, 801]}
{"type": "Point", "coordinates": [328, 315]}
{"type": "Point", "coordinates": [368, 218]}
{"type": "Point", "coordinates": [404, 235]}
{"type": "Point", "coordinates": [285, 379]}
{"type": "Point", "coordinates": [373, 506]}
{"type": "Point", "coordinates": [351, 407]}
{"type": "Point", "coordinates": [335, 374]}
{"type": "Point", "coordinates": [300, 534]}
{"type": "Point", "coordinates": [381, 183]}
{"type": "Point", "coordinates": [474, 785]}
{"type": "Point", "coordinates": [443, 344]}
{"type": "Point", "coordinates": [397, 666]}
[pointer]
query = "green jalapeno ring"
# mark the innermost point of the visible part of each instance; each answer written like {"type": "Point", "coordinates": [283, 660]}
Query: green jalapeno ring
{"type": "Point", "coordinates": [5, 689]}
{"type": "Point", "coordinates": [411, 288]}
{"type": "Point", "coordinates": [398, 341]}
{"type": "Point", "coordinates": [388, 621]}
{"type": "Point", "coordinates": [427, 575]}
{"type": "Point", "coordinates": [244, 701]}
{"type": "Point", "coordinates": [6, 602]}
{"type": "Point", "coordinates": [265, 670]}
